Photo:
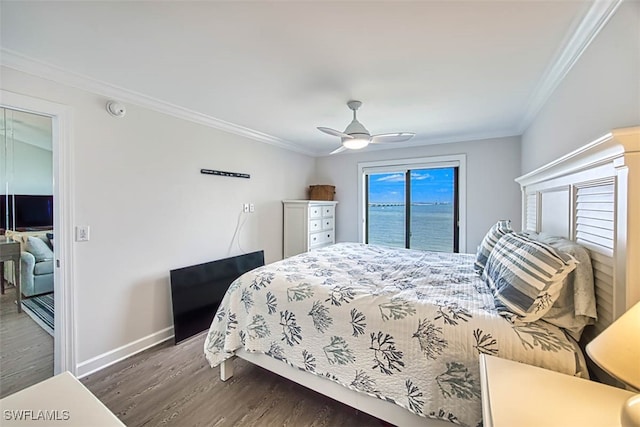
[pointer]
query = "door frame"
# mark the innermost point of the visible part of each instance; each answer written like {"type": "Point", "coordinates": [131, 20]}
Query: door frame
{"type": "Point", "coordinates": [64, 353]}
{"type": "Point", "coordinates": [459, 160]}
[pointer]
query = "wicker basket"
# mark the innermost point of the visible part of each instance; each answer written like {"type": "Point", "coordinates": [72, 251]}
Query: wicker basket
{"type": "Point", "coordinates": [321, 192]}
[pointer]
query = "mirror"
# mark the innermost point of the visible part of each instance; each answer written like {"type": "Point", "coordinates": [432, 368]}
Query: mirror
{"type": "Point", "coordinates": [26, 171]}
{"type": "Point", "coordinates": [26, 212]}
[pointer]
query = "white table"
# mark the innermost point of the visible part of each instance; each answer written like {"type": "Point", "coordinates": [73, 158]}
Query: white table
{"type": "Point", "coordinates": [62, 400]}
{"type": "Point", "coordinates": [515, 394]}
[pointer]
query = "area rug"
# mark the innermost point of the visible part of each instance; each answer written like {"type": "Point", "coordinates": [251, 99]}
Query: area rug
{"type": "Point", "coordinates": [41, 310]}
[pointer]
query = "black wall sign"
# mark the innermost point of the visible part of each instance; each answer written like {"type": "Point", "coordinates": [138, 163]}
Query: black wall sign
{"type": "Point", "coordinates": [223, 173]}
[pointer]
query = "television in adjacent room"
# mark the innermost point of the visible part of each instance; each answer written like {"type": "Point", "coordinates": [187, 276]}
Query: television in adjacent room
{"type": "Point", "coordinates": [26, 211]}
{"type": "Point", "coordinates": [197, 291]}
{"type": "Point", "coordinates": [4, 218]}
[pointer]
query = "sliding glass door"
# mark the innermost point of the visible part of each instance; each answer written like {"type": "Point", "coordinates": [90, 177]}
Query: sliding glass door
{"type": "Point", "coordinates": [386, 217]}
{"type": "Point", "coordinates": [412, 208]}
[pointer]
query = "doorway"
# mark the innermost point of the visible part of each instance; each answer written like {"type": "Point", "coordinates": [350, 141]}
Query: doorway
{"type": "Point", "coordinates": [26, 208]}
{"type": "Point", "coordinates": [60, 119]}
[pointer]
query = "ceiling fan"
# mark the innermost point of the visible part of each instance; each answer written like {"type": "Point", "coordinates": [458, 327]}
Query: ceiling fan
{"type": "Point", "coordinates": [356, 136]}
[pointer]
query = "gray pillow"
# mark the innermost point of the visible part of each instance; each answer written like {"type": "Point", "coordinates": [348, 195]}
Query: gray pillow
{"type": "Point", "coordinates": [494, 234]}
{"type": "Point", "coordinates": [38, 248]}
{"type": "Point", "coordinates": [575, 308]}
{"type": "Point", "coordinates": [526, 276]}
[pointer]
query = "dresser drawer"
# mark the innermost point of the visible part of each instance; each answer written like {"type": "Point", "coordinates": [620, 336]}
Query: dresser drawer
{"type": "Point", "coordinates": [315, 239]}
{"type": "Point", "coordinates": [321, 238]}
{"type": "Point", "coordinates": [327, 236]}
{"type": "Point", "coordinates": [327, 210]}
{"type": "Point", "coordinates": [315, 225]}
{"type": "Point", "coordinates": [315, 211]}
{"type": "Point", "coordinates": [327, 223]}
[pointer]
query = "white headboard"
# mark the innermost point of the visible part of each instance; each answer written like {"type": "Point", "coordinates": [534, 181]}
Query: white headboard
{"type": "Point", "coordinates": [592, 196]}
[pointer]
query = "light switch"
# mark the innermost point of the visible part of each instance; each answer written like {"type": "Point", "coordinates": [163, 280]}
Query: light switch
{"type": "Point", "coordinates": [82, 233]}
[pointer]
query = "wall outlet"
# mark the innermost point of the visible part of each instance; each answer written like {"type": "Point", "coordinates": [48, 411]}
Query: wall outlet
{"type": "Point", "coordinates": [82, 233]}
{"type": "Point", "coordinates": [251, 207]}
{"type": "Point", "coordinates": [245, 207]}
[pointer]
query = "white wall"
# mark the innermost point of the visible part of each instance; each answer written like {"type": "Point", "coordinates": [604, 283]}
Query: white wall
{"type": "Point", "coordinates": [600, 93]}
{"type": "Point", "coordinates": [492, 193]}
{"type": "Point", "coordinates": [32, 170]}
{"type": "Point", "coordinates": [138, 185]}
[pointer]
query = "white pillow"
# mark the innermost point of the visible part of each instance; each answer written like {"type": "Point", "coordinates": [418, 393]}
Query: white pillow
{"type": "Point", "coordinates": [575, 308]}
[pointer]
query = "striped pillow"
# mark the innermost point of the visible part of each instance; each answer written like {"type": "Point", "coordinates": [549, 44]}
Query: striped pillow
{"type": "Point", "coordinates": [494, 234]}
{"type": "Point", "coordinates": [526, 276]}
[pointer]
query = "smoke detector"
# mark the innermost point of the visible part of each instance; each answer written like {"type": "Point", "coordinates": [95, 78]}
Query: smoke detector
{"type": "Point", "coordinates": [116, 109]}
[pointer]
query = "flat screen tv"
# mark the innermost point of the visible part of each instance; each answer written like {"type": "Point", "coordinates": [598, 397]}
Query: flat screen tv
{"type": "Point", "coordinates": [3, 212]}
{"type": "Point", "coordinates": [197, 291]}
{"type": "Point", "coordinates": [26, 211]}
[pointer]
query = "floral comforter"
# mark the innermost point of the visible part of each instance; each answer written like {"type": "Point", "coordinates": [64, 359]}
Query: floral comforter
{"type": "Point", "coordinates": [405, 326]}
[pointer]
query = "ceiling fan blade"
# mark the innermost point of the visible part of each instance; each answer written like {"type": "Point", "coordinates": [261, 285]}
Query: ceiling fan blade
{"type": "Point", "coordinates": [338, 150]}
{"type": "Point", "coordinates": [334, 132]}
{"type": "Point", "coordinates": [392, 137]}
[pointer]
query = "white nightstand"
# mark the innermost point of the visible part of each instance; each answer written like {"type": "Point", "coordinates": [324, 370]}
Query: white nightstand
{"type": "Point", "coordinates": [59, 401]}
{"type": "Point", "coordinates": [515, 394]}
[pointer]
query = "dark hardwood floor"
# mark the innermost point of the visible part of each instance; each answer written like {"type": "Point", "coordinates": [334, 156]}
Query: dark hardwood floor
{"type": "Point", "coordinates": [174, 386]}
{"type": "Point", "coordinates": [171, 385]}
{"type": "Point", "coordinates": [26, 350]}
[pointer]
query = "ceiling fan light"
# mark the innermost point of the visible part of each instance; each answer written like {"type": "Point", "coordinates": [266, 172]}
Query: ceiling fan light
{"type": "Point", "coordinates": [355, 143]}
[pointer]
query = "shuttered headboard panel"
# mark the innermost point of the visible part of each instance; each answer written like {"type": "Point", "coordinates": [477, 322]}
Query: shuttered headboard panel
{"type": "Point", "coordinates": [530, 209]}
{"type": "Point", "coordinates": [592, 196]}
{"type": "Point", "coordinates": [595, 230]}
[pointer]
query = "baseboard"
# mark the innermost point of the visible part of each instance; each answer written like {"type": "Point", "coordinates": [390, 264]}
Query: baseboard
{"type": "Point", "coordinates": [101, 361]}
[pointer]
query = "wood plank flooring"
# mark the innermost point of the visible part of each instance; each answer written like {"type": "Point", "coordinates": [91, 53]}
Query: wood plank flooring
{"type": "Point", "coordinates": [26, 350]}
{"type": "Point", "coordinates": [174, 386]}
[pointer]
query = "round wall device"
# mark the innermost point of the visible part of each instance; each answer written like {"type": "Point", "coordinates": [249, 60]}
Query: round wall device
{"type": "Point", "coordinates": [116, 109]}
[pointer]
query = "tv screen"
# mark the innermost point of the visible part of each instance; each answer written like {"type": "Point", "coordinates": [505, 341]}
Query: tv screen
{"type": "Point", "coordinates": [3, 212]}
{"type": "Point", "coordinates": [24, 211]}
{"type": "Point", "coordinates": [32, 211]}
{"type": "Point", "coordinates": [197, 291]}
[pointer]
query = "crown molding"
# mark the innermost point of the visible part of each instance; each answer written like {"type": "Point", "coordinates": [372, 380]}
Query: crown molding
{"type": "Point", "coordinates": [17, 61]}
{"type": "Point", "coordinates": [23, 63]}
{"type": "Point", "coordinates": [594, 20]}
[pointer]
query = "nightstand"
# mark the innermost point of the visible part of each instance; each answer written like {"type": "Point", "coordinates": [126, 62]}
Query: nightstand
{"type": "Point", "coordinates": [58, 401]}
{"type": "Point", "coordinates": [515, 394]}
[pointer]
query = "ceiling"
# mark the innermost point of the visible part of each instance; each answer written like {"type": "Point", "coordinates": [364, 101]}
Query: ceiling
{"type": "Point", "coordinates": [448, 71]}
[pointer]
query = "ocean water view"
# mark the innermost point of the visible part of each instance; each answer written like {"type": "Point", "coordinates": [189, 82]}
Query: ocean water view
{"type": "Point", "coordinates": [431, 225]}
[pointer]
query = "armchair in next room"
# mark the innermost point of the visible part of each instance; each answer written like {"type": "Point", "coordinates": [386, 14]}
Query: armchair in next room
{"type": "Point", "coordinates": [36, 263]}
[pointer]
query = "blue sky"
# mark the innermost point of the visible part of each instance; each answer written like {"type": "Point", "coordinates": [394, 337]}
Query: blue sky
{"type": "Point", "coordinates": [427, 185]}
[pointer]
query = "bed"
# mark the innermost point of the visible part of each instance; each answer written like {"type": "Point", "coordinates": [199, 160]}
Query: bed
{"type": "Point", "coordinates": [397, 333]}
